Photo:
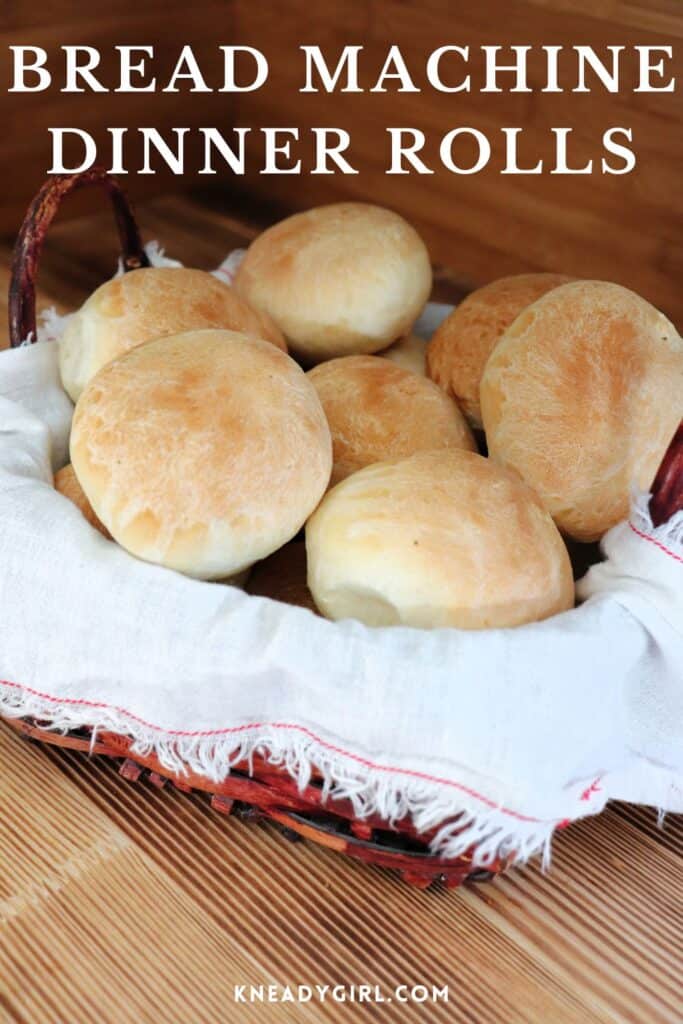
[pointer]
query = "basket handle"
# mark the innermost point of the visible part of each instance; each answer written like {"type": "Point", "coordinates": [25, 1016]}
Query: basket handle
{"type": "Point", "coordinates": [29, 244]}
{"type": "Point", "coordinates": [667, 490]}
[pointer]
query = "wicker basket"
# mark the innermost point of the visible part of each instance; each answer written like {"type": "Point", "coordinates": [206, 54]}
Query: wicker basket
{"type": "Point", "coordinates": [258, 788]}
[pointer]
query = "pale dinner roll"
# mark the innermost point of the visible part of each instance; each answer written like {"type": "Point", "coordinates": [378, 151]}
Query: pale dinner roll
{"type": "Point", "coordinates": [582, 396]}
{"type": "Point", "coordinates": [282, 577]}
{"type": "Point", "coordinates": [338, 279]}
{"type": "Point", "coordinates": [66, 482]}
{"type": "Point", "coordinates": [203, 452]}
{"type": "Point", "coordinates": [410, 353]}
{"type": "Point", "coordinates": [460, 346]}
{"type": "Point", "coordinates": [146, 304]}
{"type": "Point", "coordinates": [439, 539]}
{"type": "Point", "coordinates": [377, 410]}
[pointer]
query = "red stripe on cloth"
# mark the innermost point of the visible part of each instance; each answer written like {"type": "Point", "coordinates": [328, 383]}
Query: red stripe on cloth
{"type": "Point", "coordinates": [285, 726]}
{"type": "Point", "coordinates": [657, 543]}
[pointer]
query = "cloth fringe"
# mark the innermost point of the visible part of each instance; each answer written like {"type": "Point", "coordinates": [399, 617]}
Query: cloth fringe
{"type": "Point", "coordinates": [489, 833]}
{"type": "Point", "coordinates": [51, 325]}
{"type": "Point", "coordinates": [670, 534]}
{"type": "Point", "coordinates": [228, 268]}
{"type": "Point", "coordinates": [157, 257]}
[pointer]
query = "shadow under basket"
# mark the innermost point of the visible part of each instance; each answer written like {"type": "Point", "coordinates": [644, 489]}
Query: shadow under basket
{"type": "Point", "coordinates": [258, 789]}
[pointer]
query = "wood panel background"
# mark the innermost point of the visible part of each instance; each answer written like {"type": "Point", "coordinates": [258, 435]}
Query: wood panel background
{"type": "Point", "coordinates": [25, 149]}
{"type": "Point", "coordinates": [628, 229]}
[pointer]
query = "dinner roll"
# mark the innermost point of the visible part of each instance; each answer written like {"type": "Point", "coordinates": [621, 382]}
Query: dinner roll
{"type": "Point", "coordinates": [66, 482]}
{"type": "Point", "coordinates": [582, 396]}
{"type": "Point", "coordinates": [150, 303]}
{"type": "Point", "coordinates": [460, 346]}
{"type": "Point", "coordinates": [282, 577]}
{"type": "Point", "coordinates": [338, 279]}
{"type": "Point", "coordinates": [441, 538]}
{"type": "Point", "coordinates": [410, 353]}
{"type": "Point", "coordinates": [377, 410]}
{"type": "Point", "coordinates": [203, 452]}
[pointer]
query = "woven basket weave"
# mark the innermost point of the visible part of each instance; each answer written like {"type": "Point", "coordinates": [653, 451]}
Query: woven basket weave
{"type": "Point", "coordinates": [258, 788]}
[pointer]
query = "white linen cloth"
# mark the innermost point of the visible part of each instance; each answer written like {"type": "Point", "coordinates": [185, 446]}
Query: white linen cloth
{"type": "Point", "coordinates": [518, 731]}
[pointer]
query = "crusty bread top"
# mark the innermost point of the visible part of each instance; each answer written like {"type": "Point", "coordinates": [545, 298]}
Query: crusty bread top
{"type": "Point", "coordinates": [150, 303]}
{"type": "Point", "coordinates": [203, 452]}
{"type": "Point", "coordinates": [460, 346]}
{"type": "Point", "coordinates": [338, 279]}
{"type": "Point", "coordinates": [582, 396]}
{"type": "Point", "coordinates": [378, 410]}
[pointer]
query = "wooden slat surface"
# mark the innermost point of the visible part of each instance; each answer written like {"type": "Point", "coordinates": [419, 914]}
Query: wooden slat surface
{"type": "Point", "coordinates": [121, 902]}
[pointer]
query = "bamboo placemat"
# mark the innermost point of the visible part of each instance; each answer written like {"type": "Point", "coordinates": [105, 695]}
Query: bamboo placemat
{"type": "Point", "coordinates": [122, 902]}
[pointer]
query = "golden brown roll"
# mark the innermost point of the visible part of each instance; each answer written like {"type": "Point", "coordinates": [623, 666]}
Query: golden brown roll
{"type": "Point", "coordinates": [410, 353]}
{"type": "Point", "coordinates": [66, 482]}
{"type": "Point", "coordinates": [339, 279]}
{"type": "Point", "coordinates": [439, 539]}
{"type": "Point", "coordinates": [151, 303]}
{"type": "Point", "coordinates": [202, 452]}
{"type": "Point", "coordinates": [377, 410]}
{"type": "Point", "coordinates": [282, 577]}
{"type": "Point", "coordinates": [582, 396]}
{"type": "Point", "coordinates": [460, 346]}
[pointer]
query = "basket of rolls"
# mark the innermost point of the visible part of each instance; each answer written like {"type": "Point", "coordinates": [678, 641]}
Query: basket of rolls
{"type": "Point", "coordinates": [405, 579]}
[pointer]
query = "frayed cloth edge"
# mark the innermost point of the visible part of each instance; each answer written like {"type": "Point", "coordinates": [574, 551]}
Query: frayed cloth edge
{"type": "Point", "coordinates": [487, 834]}
{"type": "Point", "coordinates": [669, 534]}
